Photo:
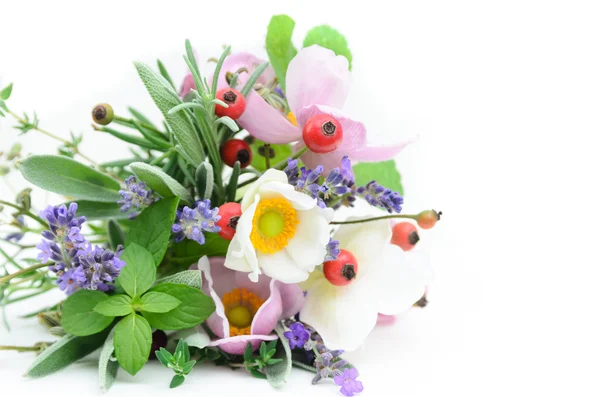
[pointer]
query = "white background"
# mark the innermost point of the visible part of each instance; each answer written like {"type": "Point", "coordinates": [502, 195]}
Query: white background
{"type": "Point", "coordinates": [505, 96]}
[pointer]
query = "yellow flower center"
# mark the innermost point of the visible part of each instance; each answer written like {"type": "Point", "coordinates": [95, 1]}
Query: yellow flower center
{"type": "Point", "coordinates": [273, 225]}
{"type": "Point", "coordinates": [292, 118]}
{"type": "Point", "coordinates": [241, 306]}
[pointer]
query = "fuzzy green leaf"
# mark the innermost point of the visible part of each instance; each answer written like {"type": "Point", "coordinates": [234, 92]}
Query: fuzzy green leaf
{"type": "Point", "coordinates": [107, 365]}
{"type": "Point", "coordinates": [194, 309]}
{"type": "Point", "coordinates": [66, 176]}
{"type": "Point", "coordinates": [6, 91]}
{"type": "Point", "coordinates": [180, 123]}
{"type": "Point", "coordinates": [94, 210]}
{"type": "Point", "coordinates": [327, 37]}
{"type": "Point", "coordinates": [115, 306]}
{"type": "Point", "coordinates": [279, 44]}
{"type": "Point", "coordinates": [278, 372]}
{"type": "Point", "coordinates": [133, 339]}
{"type": "Point", "coordinates": [192, 278]}
{"type": "Point", "coordinates": [160, 182]}
{"type": "Point", "coordinates": [152, 228]}
{"type": "Point", "coordinates": [205, 180]}
{"type": "Point", "coordinates": [385, 172]}
{"type": "Point", "coordinates": [116, 236]}
{"type": "Point", "coordinates": [79, 317]}
{"type": "Point", "coordinates": [64, 352]}
{"type": "Point", "coordinates": [157, 302]}
{"type": "Point", "coordinates": [139, 273]}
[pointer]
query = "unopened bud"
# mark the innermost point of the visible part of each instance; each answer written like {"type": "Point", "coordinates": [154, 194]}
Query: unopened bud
{"type": "Point", "coordinates": [103, 114]}
{"type": "Point", "coordinates": [428, 219]}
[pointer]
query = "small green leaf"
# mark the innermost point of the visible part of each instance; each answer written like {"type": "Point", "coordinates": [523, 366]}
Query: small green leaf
{"type": "Point", "coordinates": [160, 182]}
{"type": "Point", "coordinates": [233, 182]}
{"type": "Point", "coordinates": [157, 302]}
{"type": "Point", "coordinates": [279, 45]}
{"type": "Point", "coordinates": [188, 252]}
{"type": "Point", "coordinates": [194, 309]}
{"type": "Point", "coordinates": [68, 177]}
{"type": "Point", "coordinates": [116, 236]}
{"type": "Point", "coordinates": [133, 339]}
{"type": "Point", "coordinates": [107, 365]}
{"type": "Point", "coordinates": [163, 72]}
{"type": "Point", "coordinates": [385, 172]}
{"type": "Point", "coordinates": [248, 352]}
{"type": "Point", "coordinates": [152, 228]}
{"type": "Point", "coordinates": [64, 352]}
{"type": "Point", "coordinates": [327, 37]}
{"type": "Point", "coordinates": [278, 371]}
{"type": "Point", "coordinates": [192, 278]}
{"type": "Point", "coordinates": [177, 381]}
{"type": "Point", "coordinates": [263, 349]}
{"type": "Point", "coordinates": [94, 210]}
{"type": "Point", "coordinates": [276, 153]}
{"type": "Point", "coordinates": [139, 272]}
{"type": "Point", "coordinates": [182, 351]}
{"type": "Point", "coordinates": [6, 91]}
{"type": "Point", "coordinates": [228, 121]}
{"type": "Point", "coordinates": [114, 306]}
{"type": "Point", "coordinates": [205, 180]}
{"type": "Point", "coordinates": [187, 367]}
{"type": "Point", "coordinates": [163, 356]}
{"type": "Point", "coordinates": [257, 374]}
{"type": "Point", "coordinates": [79, 317]}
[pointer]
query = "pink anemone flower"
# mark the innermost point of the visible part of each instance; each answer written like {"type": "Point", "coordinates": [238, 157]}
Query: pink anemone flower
{"type": "Point", "coordinates": [245, 311]}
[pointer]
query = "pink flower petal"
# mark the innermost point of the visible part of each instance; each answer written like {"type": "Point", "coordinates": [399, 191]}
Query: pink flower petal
{"type": "Point", "coordinates": [384, 319]}
{"type": "Point", "coordinates": [237, 344]}
{"type": "Point", "coordinates": [239, 60]}
{"type": "Point", "coordinates": [187, 85]}
{"type": "Point", "coordinates": [269, 313]}
{"type": "Point", "coordinates": [379, 153]}
{"type": "Point", "coordinates": [317, 76]}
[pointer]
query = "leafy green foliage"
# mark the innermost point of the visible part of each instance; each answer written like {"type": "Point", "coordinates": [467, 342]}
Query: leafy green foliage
{"type": "Point", "coordinates": [116, 236]}
{"type": "Point", "coordinates": [6, 91]}
{"type": "Point", "coordinates": [256, 365]}
{"type": "Point", "coordinates": [133, 340]}
{"type": "Point", "coordinates": [276, 153]}
{"type": "Point", "coordinates": [107, 364]}
{"type": "Point", "coordinates": [94, 210]}
{"type": "Point", "coordinates": [160, 182]}
{"type": "Point", "coordinates": [385, 171]}
{"type": "Point", "coordinates": [139, 273]}
{"type": "Point", "coordinates": [115, 306]}
{"type": "Point", "coordinates": [179, 362]}
{"type": "Point", "coordinates": [277, 373]}
{"type": "Point", "coordinates": [187, 252]}
{"type": "Point", "coordinates": [191, 278]}
{"type": "Point", "coordinates": [204, 179]}
{"type": "Point", "coordinates": [279, 45]}
{"type": "Point", "coordinates": [328, 37]}
{"type": "Point", "coordinates": [152, 228]}
{"type": "Point", "coordinates": [79, 317]}
{"type": "Point", "coordinates": [157, 302]}
{"type": "Point", "coordinates": [195, 307]}
{"type": "Point", "coordinates": [65, 176]}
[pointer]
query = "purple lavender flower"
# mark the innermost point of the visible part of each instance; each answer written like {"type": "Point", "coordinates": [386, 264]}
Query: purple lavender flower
{"type": "Point", "coordinates": [71, 280]}
{"type": "Point", "coordinates": [298, 335]}
{"type": "Point", "coordinates": [333, 250]}
{"type": "Point", "coordinates": [191, 223]}
{"type": "Point", "coordinates": [15, 237]}
{"type": "Point", "coordinates": [347, 381]}
{"type": "Point", "coordinates": [49, 250]}
{"type": "Point", "coordinates": [310, 182]}
{"type": "Point", "coordinates": [382, 197]}
{"type": "Point", "coordinates": [99, 266]}
{"type": "Point", "coordinates": [137, 195]}
{"type": "Point", "coordinates": [327, 365]}
{"type": "Point", "coordinates": [64, 224]}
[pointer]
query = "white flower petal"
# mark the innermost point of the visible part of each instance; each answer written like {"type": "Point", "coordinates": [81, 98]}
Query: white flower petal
{"type": "Point", "coordinates": [300, 201]}
{"type": "Point", "coordinates": [280, 266]}
{"type": "Point", "coordinates": [269, 176]}
{"type": "Point", "coordinates": [356, 314]}
{"type": "Point", "coordinates": [241, 255]}
{"type": "Point", "coordinates": [308, 246]}
{"type": "Point", "coordinates": [320, 308]}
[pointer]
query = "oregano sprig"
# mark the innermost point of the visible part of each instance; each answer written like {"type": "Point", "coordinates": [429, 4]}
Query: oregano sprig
{"type": "Point", "coordinates": [179, 362]}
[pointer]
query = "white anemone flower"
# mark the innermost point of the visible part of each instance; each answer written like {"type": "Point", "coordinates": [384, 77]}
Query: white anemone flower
{"type": "Point", "coordinates": [387, 281]}
{"type": "Point", "coordinates": [281, 232]}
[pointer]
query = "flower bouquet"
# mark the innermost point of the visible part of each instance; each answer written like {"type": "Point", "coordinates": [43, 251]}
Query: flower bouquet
{"type": "Point", "coordinates": [254, 227]}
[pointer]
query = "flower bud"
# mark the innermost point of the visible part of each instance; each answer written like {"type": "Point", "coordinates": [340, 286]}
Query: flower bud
{"type": "Point", "coordinates": [103, 114]}
{"type": "Point", "coordinates": [427, 219]}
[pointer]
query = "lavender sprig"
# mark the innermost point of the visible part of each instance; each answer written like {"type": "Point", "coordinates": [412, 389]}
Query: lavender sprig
{"type": "Point", "coordinates": [137, 196]}
{"type": "Point", "coordinates": [191, 223]}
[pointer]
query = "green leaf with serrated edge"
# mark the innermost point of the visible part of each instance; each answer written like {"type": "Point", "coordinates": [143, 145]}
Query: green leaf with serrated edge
{"type": "Point", "coordinates": [165, 98]}
{"type": "Point", "coordinates": [133, 339]}
{"type": "Point", "coordinates": [116, 236]}
{"type": "Point", "coordinates": [327, 37]}
{"type": "Point", "coordinates": [279, 45]}
{"type": "Point", "coordinates": [79, 317]}
{"type": "Point", "coordinates": [115, 306]}
{"type": "Point", "coordinates": [177, 381]}
{"type": "Point", "coordinates": [194, 309]}
{"type": "Point", "coordinates": [276, 153]}
{"type": "Point", "coordinates": [160, 182]}
{"type": "Point", "coordinates": [157, 302]}
{"type": "Point", "coordinates": [64, 352]}
{"type": "Point", "coordinates": [65, 176]}
{"type": "Point", "coordinates": [6, 91]}
{"type": "Point", "coordinates": [385, 172]}
{"type": "Point", "coordinates": [152, 228]}
{"type": "Point", "coordinates": [107, 365]}
{"type": "Point", "coordinates": [95, 210]}
{"type": "Point", "coordinates": [278, 373]}
{"type": "Point", "coordinates": [139, 272]}
{"type": "Point", "coordinates": [192, 278]}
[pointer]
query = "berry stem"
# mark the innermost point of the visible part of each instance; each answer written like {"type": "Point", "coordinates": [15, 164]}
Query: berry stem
{"type": "Point", "coordinates": [29, 269]}
{"type": "Point", "coordinates": [282, 164]}
{"type": "Point", "coordinates": [377, 218]}
{"type": "Point", "coordinates": [267, 147]}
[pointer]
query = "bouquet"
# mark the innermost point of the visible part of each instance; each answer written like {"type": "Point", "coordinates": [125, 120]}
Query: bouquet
{"type": "Point", "coordinates": [255, 227]}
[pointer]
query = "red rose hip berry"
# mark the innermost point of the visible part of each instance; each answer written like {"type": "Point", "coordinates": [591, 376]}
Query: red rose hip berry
{"type": "Point", "coordinates": [428, 219]}
{"type": "Point", "coordinates": [236, 150]}
{"type": "Point", "coordinates": [341, 271]}
{"type": "Point", "coordinates": [230, 214]}
{"type": "Point", "coordinates": [235, 100]}
{"type": "Point", "coordinates": [405, 235]}
{"type": "Point", "coordinates": [322, 133]}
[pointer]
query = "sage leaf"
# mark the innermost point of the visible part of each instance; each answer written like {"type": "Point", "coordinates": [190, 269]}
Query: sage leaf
{"type": "Point", "coordinates": [385, 171]}
{"type": "Point", "coordinates": [116, 305]}
{"type": "Point", "coordinates": [108, 366]}
{"type": "Point", "coordinates": [279, 45]}
{"type": "Point", "coordinates": [191, 278]}
{"type": "Point", "coordinates": [116, 236]}
{"type": "Point", "coordinates": [79, 317]}
{"type": "Point", "coordinates": [133, 340]}
{"type": "Point", "coordinates": [66, 176]}
{"type": "Point", "coordinates": [94, 210]}
{"type": "Point", "coordinates": [152, 228]}
{"type": "Point", "coordinates": [157, 302]}
{"type": "Point", "coordinates": [194, 309]}
{"type": "Point", "coordinates": [139, 272]}
{"type": "Point", "coordinates": [205, 180]}
{"type": "Point", "coordinates": [327, 37]}
{"type": "Point", "coordinates": [279, 372]}
{"type": "Point", "coordinates": [161, 182]}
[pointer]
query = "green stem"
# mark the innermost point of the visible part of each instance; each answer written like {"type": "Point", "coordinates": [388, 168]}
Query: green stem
{"type": "Point", "coordinates": [22, 211]}
{"type": "Point", "coordinates": [249, 181]}
{"type": "Point", "coordinates": [18, 245]}
{"type": "Point", "coordinates": [162, 157]}
{"type": "Point", "coordinates": [21, 348]}
{"type": "Point", "coordinates": [377, 218]}
{"type": "Point", "coordinates": [282, 164]}
{"type": "Point", "coordinates": [131, 123]}
{"type": "Point", "coordinates": [46, 288]}
{"type": "Point", "coordinates": [29, 269]}
{"type": "Point", "coordinates": [267, 148]}
{"type": "Point", "coordinates": [10, 259]}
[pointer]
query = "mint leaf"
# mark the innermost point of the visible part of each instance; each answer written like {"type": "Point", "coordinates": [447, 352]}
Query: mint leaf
{"type": "Point", "coordinates": [160, 182]}
{"type": "Point", "coordinates": [139, 272]}
{"type": "Point", "coordinates": [133, 339]}
{"type": "Point", "coordinates": [328, 37]}
{"type": "Point", "coordinates": [385, 172]}
{"type": "Point", "coordinates": [279, 44]}
{"type": "Point", "coordinates": [107, 367]}
{"type": "Point", "coordinates": [195, 307]}
{"type": "Point", "coordinates": [192, 278]}
{"type": "Point", "coordinates": [68, 177]}
{"type": "Point", "coordinates": [152, 228]}
{"type": "Point", "coordinates": [157, 302]}
{"type": "Point", "coordinates": [116, 305]}
{"type": "Point", "coordinates": [79, 317]}
{"type": "Point", "coordinates": [6, 91]}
